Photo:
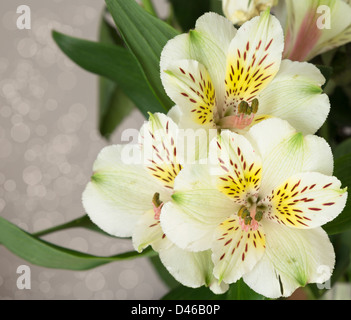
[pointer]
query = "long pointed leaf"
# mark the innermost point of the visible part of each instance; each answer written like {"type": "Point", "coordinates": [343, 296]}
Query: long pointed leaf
{"type": "Point", "coordinates": [115, 63]}
{"type": "Point", "coordinates": [43, 253]}
{"type": "Point", "coordinates": [114, 105]}
{"type": "Point", "coordinates": [145, 35]}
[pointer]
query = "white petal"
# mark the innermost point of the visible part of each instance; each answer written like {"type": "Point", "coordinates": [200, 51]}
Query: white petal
{"type": "Point", "coordinates": [197, 208]}
{"type": "Point", "coordinates": [175, 114]}
{"type": "Point", "coordinates": [183, 230]}
{"type": "Point", "coordinates": [295, 95]}
{"type": "Point", "coordinates": [238, 11]}
{"type": "Point", "coordinates": [192, 269]}
{"type": "Point", "coordinates": [147, 232]}
{"type": "Point", "coordinates": [235, 251]}
{"type": "Point", "coordinates": [306, 200]}
{"type": "Point", "coordinates": [308, 31]}
{"type": "Point", "coordinates": [339, 40]}
{"type": "Point", "coordinates": [285, 152]}
{"type": "Point", "coordinates": [216, 29]}
{"type": "Point", "coordinates": [118, 193]}
{"type": "Point", "coordinates": [293, 258]}
{"type": "Point", "coordinates": [175, 49]}
{"type": "Point", "coordinates": [209, 44]}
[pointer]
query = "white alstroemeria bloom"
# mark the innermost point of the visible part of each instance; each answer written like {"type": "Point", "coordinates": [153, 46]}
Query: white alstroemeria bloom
{"type": "Point", "coordinates": [220, 77]}
{"type": "Point", "coordinates": [130, 185]}
{"type": "Point", "coordinates": [259, 205]}
{"type": "Point", "coordinates": [240, 11]}
{"type": "Point", "coordinates": [315, 26]}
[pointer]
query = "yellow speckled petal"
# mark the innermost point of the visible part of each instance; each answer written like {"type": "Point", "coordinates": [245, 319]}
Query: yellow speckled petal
{"type": "Point", "coordinates": [306, 200]}
{"type": "Point", "coordinates": [190, 86]}
{"type": "Point", "coordinates": [239, 168]}
{"type": "Point", "coordinates": [159, 136]}
{"type": "Point", "coordinates": [235, 251]}
{"type": "Point", "coordinates": [253, 59]}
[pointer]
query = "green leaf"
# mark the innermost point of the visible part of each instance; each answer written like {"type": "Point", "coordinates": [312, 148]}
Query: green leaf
{"type": "Point", "coordinates": [343, 149]}
{"type": "Point", "coordinates": [340, 112]}
{"type": "Point", "coordinates": [145, 35]}
{"type": "Point", "coordinates": [327, 72]}
{"type": "Point", "coordinates": [216, 6]}
{"type": "Point", "coordinates": [187, 12]}
{"type": "Point", "coordinates": [107, 32]}
{"type": "Point", "coordinates": [81, 222]}
{"type": "Point", "coordinates": [342, 170]}
{"type": "Point", "coordinates": [45, 254]}
{"type": "Point", "coordinates": [241, 291]}
{"type": "Point", "coordinates": [114, 105]}
{"type": "Point", "coordinates": [115, 63]}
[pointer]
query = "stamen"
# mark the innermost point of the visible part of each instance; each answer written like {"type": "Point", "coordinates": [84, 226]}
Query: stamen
{"type": "Point", "coordinates": [156, 200]}
{"type": "Point", "coordinates": [254, 105]}
{"type": "Point", "coordinates": [157, 205]}
{"type": "Point", "coordinates": [243, 107]}
{"type": "Point", "coordinates": [243, 118]}
{"type": "Point", "coordinates": [249, 218]}
{"type": "Point", "coordinates": [259, 216]}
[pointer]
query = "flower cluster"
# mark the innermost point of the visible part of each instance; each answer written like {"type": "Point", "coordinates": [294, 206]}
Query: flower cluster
{"type": "Point", "coordinates": [232, 183]}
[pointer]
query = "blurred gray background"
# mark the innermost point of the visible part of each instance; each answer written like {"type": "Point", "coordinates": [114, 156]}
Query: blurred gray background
{"type": "Point", "coordinates": [48, 143]}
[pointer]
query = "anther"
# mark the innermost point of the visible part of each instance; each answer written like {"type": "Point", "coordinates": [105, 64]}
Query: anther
{"type": "Point", "coordinates": [156, 200]}
{"type": "Point", "coordinates": [243, 107]}
{"type": "Point", "coordinates": [157, 205]}
{"type": "Point", "coordinates": [241, 210]}
{"type": "Point", "coordinates": [254, 105]}
{"type": "Point", "coordinates": [259, 216]}
{"type": "Point", "coordinates": [243, 213]}
{"type": "Point", "coordinates": [247, 220]}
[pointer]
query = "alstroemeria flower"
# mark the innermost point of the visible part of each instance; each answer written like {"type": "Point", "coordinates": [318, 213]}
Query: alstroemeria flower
{"type": "Point", "coordinates": [260, 207]}
{"type": "Point", "coordinates": [130, 185]}
{"type": "Point", "coordinates": [220, 77]}
{"type": "Point", "coordinates": [240, 11]}
{"type": "Point", "coordinates": [311, 30]}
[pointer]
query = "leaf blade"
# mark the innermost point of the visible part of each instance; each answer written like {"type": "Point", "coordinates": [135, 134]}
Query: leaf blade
{"type": "Point", "coordinates": [145, 35]}
{"type": "Point", "coordinates": [113, 62]}
{"type": "Point", "coordinates": [45, 254]}
{"type": "Point", "coordinates": [342, 170]}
